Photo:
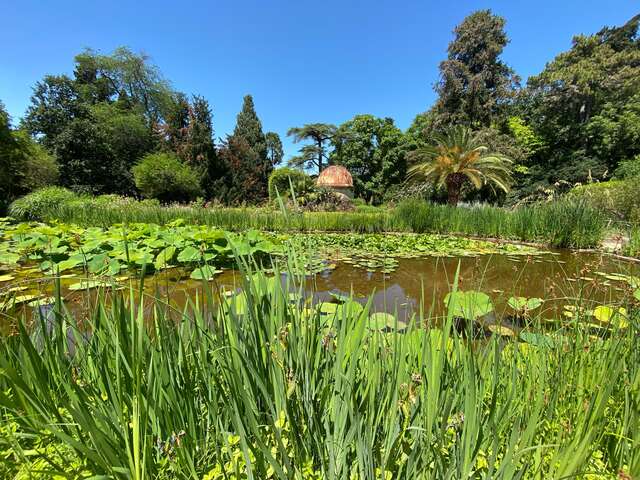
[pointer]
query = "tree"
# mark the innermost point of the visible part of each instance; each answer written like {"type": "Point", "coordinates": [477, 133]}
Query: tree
{"type": "Point", "coordinates": [243, 182]}
{"type": "Point", "coordinates": [55, 103]}
{"type": "Point", "coordinates": [373, 150]}
{"type": "Point", "coordinates": [165, 177]}
{"type": "Point", "coordinates": [475, 85]}
{"type": "Point", "coordinates": [123, 73]}
{"type": "Point", "coordinates": [24, 164]}
{"type": "Point", "coordinates": [320, 134]}
{"type": "Point", "coordinates": [246, 154]}
{"type": "Point", "coordinates": [457, 158]}
{"type": "Point", "coordinates": [585, 107]}
{"type": "Point", "coordinates": [274, 148]}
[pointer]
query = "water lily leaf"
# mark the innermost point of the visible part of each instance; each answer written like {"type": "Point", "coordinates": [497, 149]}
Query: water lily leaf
{"type": "Point", "coordinates": [469, 305]}
{"type": "Point", "coordinates": [382, 320]}
{"type": "Point", "coordinates": [501, 330]}
{"type": "Point", "coordinates": [608, 314]}
{"type": "Point", "coordinates": [6, 278]}
{"type": "Point", "coordinates": [164, 258]}
{"type": "Point", "coordinates": [205, 272]}
{"type": "Point", "coordinates": [41, 301]}
{"type": "Point", "coordinates": [9, 258]}
{"type": "Point", "coordinates": [524, 304]}
{"type": "Point", "coordinates": [189, 254]}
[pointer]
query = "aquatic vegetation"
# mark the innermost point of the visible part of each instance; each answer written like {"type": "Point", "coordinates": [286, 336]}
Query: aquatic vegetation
{"type": "Point", "coordinates": [274, 385]}
{"type": "Point", "coordinates": [562, 223]}
{"type": "Point", "coordinates": [381, 252]}
{"type": "Point", "coordinates": [468, 305]}
{"type": "Point", "coordinates": [523, 306]}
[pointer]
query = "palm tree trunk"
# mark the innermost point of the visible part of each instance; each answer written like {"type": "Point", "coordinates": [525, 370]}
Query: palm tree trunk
{"type": "Point", "coordinates": [454, 185]}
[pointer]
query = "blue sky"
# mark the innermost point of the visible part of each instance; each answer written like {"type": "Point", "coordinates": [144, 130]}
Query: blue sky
{"type": "Point", "coordinates": [303, 61]}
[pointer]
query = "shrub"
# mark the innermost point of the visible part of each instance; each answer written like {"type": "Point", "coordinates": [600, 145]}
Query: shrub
{"type": "Point", "coordinates": [165, 177]}
{"type": "Point", "coordinates": [615, 197]}
{"type": "Point", "coordinates": [283, 178]}
{"type": "Point", "coordinates": [39, 203]}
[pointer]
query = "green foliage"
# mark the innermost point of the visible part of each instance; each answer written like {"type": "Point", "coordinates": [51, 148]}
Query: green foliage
{"type": "Point", "coordinates": [185, 397]}
{"type": "Point", "coordinates": [165, 177]}
{"type": "Point", "coordinates": [525, 136]}
{"type": "Point", "coordinates": [474, 82]}
{"type": "Point", "coordinates": [374, 152]}
{"type": "Point", "coordinates": [630, 168]}
{"type": "Point", "coordinates": [24, 164]}
{"type": "Point", "coordinates": [283, 179]}
{"type": "Point", "coordinates": [459, 157]}
{"type": "Point", "coordinates": [245, 157]}
{"type": "Point", "coordinates": [585, 107]}
{"type": "Point", "coordinates": [314, 154]}
{"type": "Point", "coordinates": [618, 198]}
{"type": "Point", "coordinates": [564, 223]}
{"type": "Point", "coordinates": [274, 148]}
{"type": "Point", "coordinates": [40, 203]}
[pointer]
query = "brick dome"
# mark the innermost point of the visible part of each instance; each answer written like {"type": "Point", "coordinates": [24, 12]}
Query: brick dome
{"type": "Point", "coordinates": [335, 176]}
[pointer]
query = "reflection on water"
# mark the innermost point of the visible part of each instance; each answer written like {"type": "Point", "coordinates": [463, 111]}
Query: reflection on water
{"type": "Point", "coordinates": [418, 283]}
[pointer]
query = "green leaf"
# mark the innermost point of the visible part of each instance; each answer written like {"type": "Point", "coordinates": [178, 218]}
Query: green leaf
{"type": "Point", "coordinates": [205, 272]}
{"type": "Point", "coordinates": [189, 254]}
{"type": "Point", "coordinates": [469, 305]}
{"type": "Point", "coordinates": [164, 258]}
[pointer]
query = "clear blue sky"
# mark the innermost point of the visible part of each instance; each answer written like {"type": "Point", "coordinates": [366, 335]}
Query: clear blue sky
{"type": "Point", "coordinates": [303, 61]}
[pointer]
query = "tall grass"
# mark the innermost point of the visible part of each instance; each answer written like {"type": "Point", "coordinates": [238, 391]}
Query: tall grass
{"type": "Point", "coordinates": [564, 223]}
{"type": "Point", "coordinates": [268, 390]}
{"type": "Point", "coordinates": [633, 247]}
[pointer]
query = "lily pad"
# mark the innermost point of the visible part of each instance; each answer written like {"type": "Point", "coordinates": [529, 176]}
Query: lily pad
{"type": "Point", "coordinates": [42, 301]}
{"type": "Point", "coordinates": [524, 304]}
{"type": "Point", "coordinates": [6, 278]}
{"type": "Point", "coordinates": [501, 330]}
{"type": "Point", "coordinates": [382, 320]}
{"type": "Point", "coordinates": [469, 305]}
{"type": "Point", "coordinates": [608, 314]}
{"type": "Point", "coordinates": [204, 273]}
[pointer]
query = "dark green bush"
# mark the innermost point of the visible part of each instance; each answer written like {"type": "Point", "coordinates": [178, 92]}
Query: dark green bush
{"type": "Point", "coordinates": [282, 179]}
{"type": "Point", "coordinates": [165, 177]}
{"type": "Point", "coordinates": [37, 204]}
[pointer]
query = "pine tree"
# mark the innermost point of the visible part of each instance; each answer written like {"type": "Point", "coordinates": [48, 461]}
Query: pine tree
{"type": "Point", "coordinates": [252, 159]}
{"type": "Point", "coordinates": [475, 84]}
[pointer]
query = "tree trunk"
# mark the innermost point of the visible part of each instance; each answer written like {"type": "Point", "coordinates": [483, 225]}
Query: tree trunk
{"type": "Point", "coordinates": [319, 156]}
{"type": "Point", "coordinates": [454, 185]}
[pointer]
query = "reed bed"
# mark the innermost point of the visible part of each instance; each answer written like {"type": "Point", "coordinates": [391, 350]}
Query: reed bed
{"type": "Point", "coordinates": [138, 390]}
{"type": "Point", "coordinates": [564, 223]}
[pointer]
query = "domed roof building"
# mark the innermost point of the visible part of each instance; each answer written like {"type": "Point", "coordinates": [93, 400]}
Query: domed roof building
{"type": "Point", "coordinates": [336, 178]}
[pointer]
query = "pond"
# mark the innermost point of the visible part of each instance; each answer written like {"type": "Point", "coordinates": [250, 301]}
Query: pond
{"type": "Point", "coordinates": [414, 285]}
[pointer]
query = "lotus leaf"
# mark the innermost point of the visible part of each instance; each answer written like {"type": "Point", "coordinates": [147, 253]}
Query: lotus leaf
{"type": "Point", "coordinates": [469, 305]}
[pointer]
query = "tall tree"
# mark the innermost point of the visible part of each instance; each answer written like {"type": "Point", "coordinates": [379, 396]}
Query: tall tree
{"type": "Point", "coordinates": [475, 84]}
{"type": "Point", "coordinates": [246, 151]}
{"type": "Point", "coordinates": [585, 106]}
{"type": "Point", "coordinates": [373, 150]}
{"type": "Point", "coordinates": [314, 154]}
{"type": "Point", "coordinates": [24, 164]}
{"type": "Point", "coordinates": [274, 148]}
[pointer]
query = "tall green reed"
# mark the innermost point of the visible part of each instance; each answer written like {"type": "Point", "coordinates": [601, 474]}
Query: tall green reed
{"type": "Point", "coordinates": [262, 386]}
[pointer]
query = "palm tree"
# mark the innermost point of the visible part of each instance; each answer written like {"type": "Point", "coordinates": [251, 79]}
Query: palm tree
{"type": "Point", "coordinates": [457, 157]}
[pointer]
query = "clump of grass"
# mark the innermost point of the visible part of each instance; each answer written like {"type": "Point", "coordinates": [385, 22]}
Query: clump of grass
{"type": "Point", "coordinates": [261, 386]}
{"type": "Point", "coordinates": [564, 223]}
{"type": "Point", "coordinates": [633, 247]}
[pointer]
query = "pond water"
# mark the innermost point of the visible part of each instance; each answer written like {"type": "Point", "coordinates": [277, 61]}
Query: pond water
{"type": "Point", "coordinates": [416, 283]}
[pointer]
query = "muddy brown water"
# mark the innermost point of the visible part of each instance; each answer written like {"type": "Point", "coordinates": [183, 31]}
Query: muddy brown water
{"type": "Point", "coordinates": [418, 284]}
